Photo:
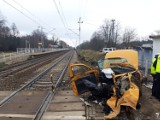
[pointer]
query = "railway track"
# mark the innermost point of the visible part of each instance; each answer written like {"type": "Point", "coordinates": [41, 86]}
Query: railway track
{"type": "Point", "coordinates": [64, 105]}
{"type": "Point", "coordinates": [31, 100]}
{"type": "Point", "coordinates": [13, 77]}
{"type": "Point", "coordinates": [12, 69]}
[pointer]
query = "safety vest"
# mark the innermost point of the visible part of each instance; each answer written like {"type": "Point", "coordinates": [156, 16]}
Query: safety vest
{"type": "Point", "coordinates": [158, 64]}
{"type": "Point", "coordinates": [153, 70]}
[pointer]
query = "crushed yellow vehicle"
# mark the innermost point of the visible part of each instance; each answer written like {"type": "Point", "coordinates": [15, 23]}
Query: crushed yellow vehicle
{"type": "Point", "coordinates": [116, 82]}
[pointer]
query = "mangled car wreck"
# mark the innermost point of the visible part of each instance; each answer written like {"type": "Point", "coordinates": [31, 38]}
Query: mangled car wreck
{"type": "Point", "coordinates": [115, 83]}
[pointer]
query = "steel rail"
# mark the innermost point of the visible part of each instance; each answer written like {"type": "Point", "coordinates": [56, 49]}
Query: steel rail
{"type": "Point", "coordinates": [50, 95]}
{"type": "Point", "coordinates": [30, 82]}
{"type": "Point", "coordinates": [25, 62]}
{"type": "Point", "coordinates": [26, 65]}
{"type": "Point", "coordinates": [44, 105]}
{"type": "Point", "coordinates": [18, 64]}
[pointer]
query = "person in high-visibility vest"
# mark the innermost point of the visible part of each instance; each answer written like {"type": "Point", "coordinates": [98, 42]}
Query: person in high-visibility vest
{"type": "Point", "coordinates": [155, 71]}
{"type": "Point", "coordinates": [158, 77]}
{"type": "Point", "coordinates": [158, 64]}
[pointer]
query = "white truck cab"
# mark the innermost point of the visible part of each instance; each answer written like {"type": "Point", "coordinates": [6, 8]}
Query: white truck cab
{"type": "Point", "coordinates": [106, 50]}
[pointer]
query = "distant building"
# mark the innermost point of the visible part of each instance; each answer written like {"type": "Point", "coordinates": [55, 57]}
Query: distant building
{"type": "Point", "coordinates": [144, 54]}
{"type": "Point", "coordinates": [149, 45]}
{"type": "Point", "coordinates": [156, 44]}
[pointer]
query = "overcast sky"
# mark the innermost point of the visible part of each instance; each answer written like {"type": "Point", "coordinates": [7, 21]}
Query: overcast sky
{"type": "Point", "coordinates": [143, 15]}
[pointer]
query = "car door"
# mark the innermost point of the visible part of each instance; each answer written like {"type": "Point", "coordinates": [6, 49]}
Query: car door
{"type": "Point", "coordinates": [79, 73]}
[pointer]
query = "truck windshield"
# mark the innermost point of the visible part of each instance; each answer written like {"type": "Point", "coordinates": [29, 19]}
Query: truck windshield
{"type": "Point", "coordinates": [106, 63]}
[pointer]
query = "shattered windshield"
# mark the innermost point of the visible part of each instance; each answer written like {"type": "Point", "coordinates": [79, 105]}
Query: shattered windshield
{"type": "Point", "coordinates": [107, 63]}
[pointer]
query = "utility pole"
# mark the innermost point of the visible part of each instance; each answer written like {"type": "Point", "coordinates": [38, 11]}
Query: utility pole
{"type": "Point", "coordinates": [26, 44]}
{"type": "Point", "coordinates": [113, 27]}
{"type": "Point", "coordinates": [80, 29]}
{"type": "Point", "coordinates": [42, 37]}
{"type": "Point", "coordinates": [41, 43]}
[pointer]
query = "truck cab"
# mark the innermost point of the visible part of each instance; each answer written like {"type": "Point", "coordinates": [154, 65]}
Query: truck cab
{"type": "Point", "coordinates": [116, 81]}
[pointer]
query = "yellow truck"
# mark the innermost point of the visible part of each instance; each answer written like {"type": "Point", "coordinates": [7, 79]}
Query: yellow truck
{"type": "Point", "coordinates": [115, 83]}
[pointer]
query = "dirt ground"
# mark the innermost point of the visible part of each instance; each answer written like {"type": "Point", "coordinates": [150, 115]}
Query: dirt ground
{"type": "Point", "coordinates": [150, 107]}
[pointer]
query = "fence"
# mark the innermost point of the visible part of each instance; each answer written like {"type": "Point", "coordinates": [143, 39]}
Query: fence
{"type": "Point", "coordinates": [38, 50]}
{"type": "Point", "coordinates": [24, 53]}
{"type": "Point", "coordinates": [9, 58]}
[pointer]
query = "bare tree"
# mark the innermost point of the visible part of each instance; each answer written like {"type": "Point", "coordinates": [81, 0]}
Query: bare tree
{"type": "Point", "coordinates": [110, 32]}
{"type": "Point", "coordinates": [117, 34]}
{"type": "Point", "coordinates": [39, 38]}
{"type": "Point", "coordinates": [96, 42]}
{"type": "Point", "coordinates": [14, 30]}
{"type": "Point", "coordinates": [105, 32]}
{"type": "Point", "coordinates": [54, 40]}
{"type": "Point", "coordinates": [62, 44]}
{"type": "Point", "coordinates": [4, 30]}
{"type": "Point", "coordinates": [110, 35]}
{"type": "Point", "coordinates": [128, 36]}
{"type": "Point", "coordinates": [2, 21]}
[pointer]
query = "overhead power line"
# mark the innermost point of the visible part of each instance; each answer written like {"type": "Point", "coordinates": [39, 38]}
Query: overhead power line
{"type": "Point", "coordinates": [22, 13]}
{"type": "Point", "coordinates": [62, 16]}
{"type": "Point", "coordinates": [73, 32]}
{"type": "Point", "coordinates": [59, 14]}
{"type": "Point", "coordinates": [79, 22]}
{"type": "Point", "coordinates": [23, 8]}
{"type": "Point", "coordinates": [63, 13]}
{"type": "Point", "coordinates": [82, 7]}
{"type": "Point", "coordinates": [91, 24]}
{"type": "Point", "coordinates": [85, 9]}
{"type": "Point", "coordinates": [30, 13]}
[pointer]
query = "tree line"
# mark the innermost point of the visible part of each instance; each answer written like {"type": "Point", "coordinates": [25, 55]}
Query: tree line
{"type": "Point", "coordinates": [10, 39]}
{"type": "Point", "coordinates": [110, 34]}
